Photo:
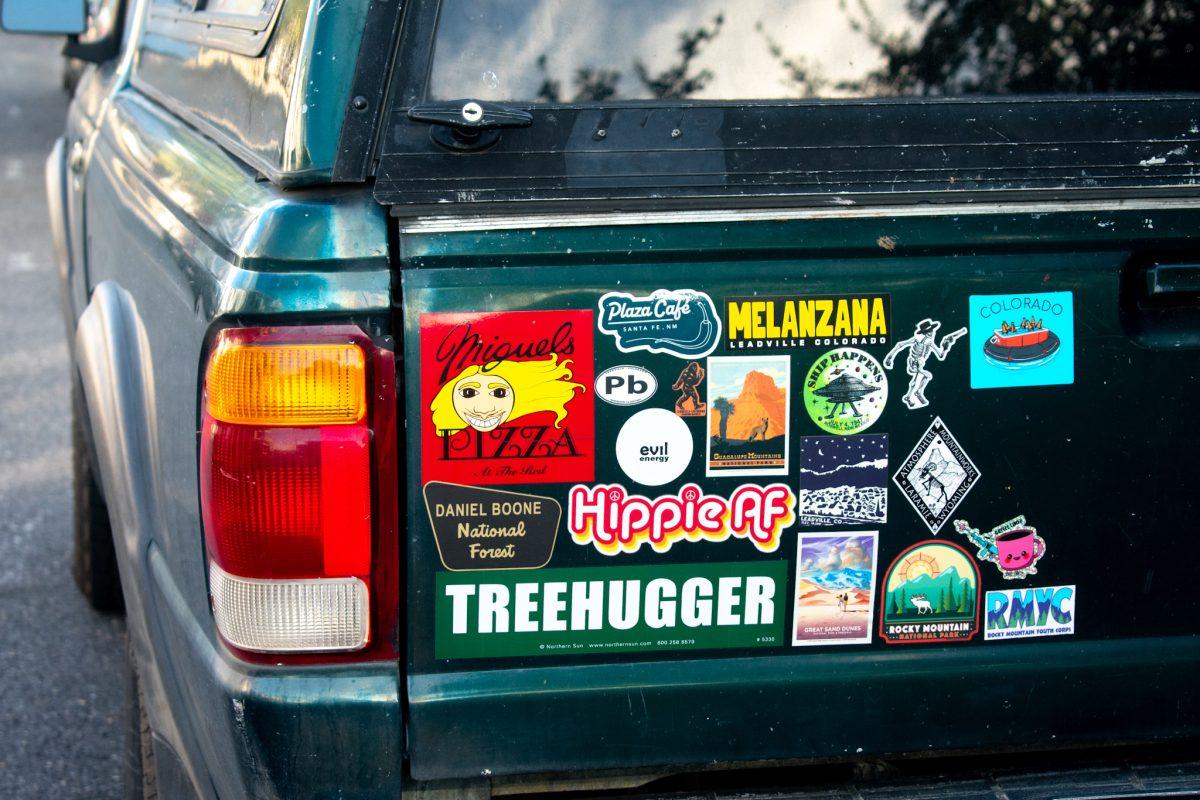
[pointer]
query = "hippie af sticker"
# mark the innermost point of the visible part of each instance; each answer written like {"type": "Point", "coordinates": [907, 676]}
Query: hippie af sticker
{"type": "Point", "coordinates": [617, 522]}
{"type": "Point", "coordinates": [936, 476]}
{"type": "Point", "coordinates": [1022, 613]}
{"type": "Point", "coordinates": [835, 588]}
{"type": "Point", "coordinates": [1022, 340]}
{"type": "Point", "coordinates": [748, 415]}
{"type": "Point", "coordinates": [689, 404]}
{"type": "Point", "coordinates": [654, 447]}
{"type": "Point", "coordinates": [478, 528]}
{"type": "Point", "coordinates": [679, 322]}
{"type": "Point", "coordinates": [845, 391]}
{"type": "Point", "coordinates": [843, 479]}
{"type": "Point", "coordinates": [921, 345]}
{"type": "Point", "coordinates": [1014, 547]}
{"type": "Point", "coordinates": [930, 594]}
{"type": "Point", "coordinates": [795, 321]}
{"type": "Point", "coordinates": [505, 397]}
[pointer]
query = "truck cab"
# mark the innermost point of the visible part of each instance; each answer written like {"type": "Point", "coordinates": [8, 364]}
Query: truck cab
{"type": "Point", "coordinates": [539, 397]}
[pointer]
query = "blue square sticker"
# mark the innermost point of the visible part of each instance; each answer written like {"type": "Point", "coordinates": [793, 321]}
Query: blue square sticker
{"type": "Point", "coordinates": [1022, 340]}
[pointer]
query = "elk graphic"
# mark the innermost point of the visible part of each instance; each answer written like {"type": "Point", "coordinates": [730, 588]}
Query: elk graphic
{"type": "Point", "coordinates": [759, 431]}
{"type": "Point", "coordinates": [921, 603]}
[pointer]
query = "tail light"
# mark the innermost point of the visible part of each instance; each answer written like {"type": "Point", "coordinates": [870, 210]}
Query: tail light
{"type": "Point", "coordinates": [298, 491]}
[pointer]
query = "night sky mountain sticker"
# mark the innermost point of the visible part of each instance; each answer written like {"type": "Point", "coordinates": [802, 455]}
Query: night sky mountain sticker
{"type": "Point", "coordinates": [843, 479]}
{"type": "Point", "coordinates": [936, 476]}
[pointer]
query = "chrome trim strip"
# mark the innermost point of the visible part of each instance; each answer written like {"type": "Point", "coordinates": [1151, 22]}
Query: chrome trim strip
{"type": "Point", "coordinates": [464, 224]}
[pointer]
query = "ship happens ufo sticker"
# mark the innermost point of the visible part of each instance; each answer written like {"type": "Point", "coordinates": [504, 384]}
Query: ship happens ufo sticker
{"type": "Point", "coordinates": [845, 391]}
{"type": "Point", "coordinates": [1022, 340]}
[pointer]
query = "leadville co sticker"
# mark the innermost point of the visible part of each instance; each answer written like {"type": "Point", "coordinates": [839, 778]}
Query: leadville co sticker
{"type": "Point", "coordinates": [936, 476]}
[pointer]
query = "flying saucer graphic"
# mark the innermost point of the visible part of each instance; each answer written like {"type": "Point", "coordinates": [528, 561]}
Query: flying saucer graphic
{"type": "Point", "coordinates": [845, 390]}
{"type": "Point", "coordinates": [1021, 348]}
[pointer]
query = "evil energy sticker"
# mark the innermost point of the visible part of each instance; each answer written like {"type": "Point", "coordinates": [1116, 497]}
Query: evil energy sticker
{"type": "Point", "coordinates": [654, 447]}
{"type": "Point", "coordinates": [936, 476]}
{"type": "Point", "coordinates": [930, 594]}
{"type": "Point", "coordinates": [680, 322]}
{"type": "Point", "coordinates": [507, 397]}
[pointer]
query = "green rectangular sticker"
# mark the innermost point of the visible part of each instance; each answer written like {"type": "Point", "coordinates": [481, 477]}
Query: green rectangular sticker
{"type": "Point", "coordinates": [610, 609]}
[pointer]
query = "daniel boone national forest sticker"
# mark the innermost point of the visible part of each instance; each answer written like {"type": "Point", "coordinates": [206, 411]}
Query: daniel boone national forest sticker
{"type": "Point", "coordinates": [477, 528]}
{"type": "Point", "coordinates": [930, 594]}
{"type": "Point", "coordinates": [1022, 339]}
{"type": "Point", "coordinates": [507, 397]}
{"type": "Point", "coordinates": [680, 322]}
{"type": "Point", "coordinates": [845, 391]}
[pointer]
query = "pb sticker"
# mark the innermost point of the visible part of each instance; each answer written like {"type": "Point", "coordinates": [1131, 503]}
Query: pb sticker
{"type": "Point", "coordinates": [507, 397]}
{"type": "Point", "coordinates": [680, 322]}
{"type": "Point", "coordinates": [1022, 340]}
{"type": "Point", "coordinates": [477, 528]}
{"type": "Point", "coordinates": [930, 594]}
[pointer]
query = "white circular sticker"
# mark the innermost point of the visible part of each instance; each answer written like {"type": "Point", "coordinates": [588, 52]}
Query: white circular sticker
{"type": "Point", "coordinates": [625, 385]}
{"type": "Point", "coordinates": [654, 447]}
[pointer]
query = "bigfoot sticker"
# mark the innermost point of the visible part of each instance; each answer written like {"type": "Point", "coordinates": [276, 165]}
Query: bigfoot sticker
{"type": "Point", "coordinates": [748, 415]}
{"type": "Point", "coordinates": [1014, 547]}
{"type": "Point", "coordinates": [835, 588]}
{"type": "Point", "coordinates": [930, 594]}
{"type": "Point", "coordinates": [490, 529]}
{"type": "Point", "coordinates": [845, 391]}
{"type": "Point", "coordinates": [936, 476]}
{"type": "Point", "coordinates": [506, 397]}
{"type": "Point", "coordinates": [1022, 340]}
{"type": "Point", "coordinates": [689, 404]}
{"type": "Point", "coordinates": [921, 345]}
{"type": "Point", "coordinates": [843, 479]}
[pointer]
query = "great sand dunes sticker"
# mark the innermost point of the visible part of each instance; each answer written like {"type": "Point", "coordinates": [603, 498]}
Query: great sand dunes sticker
{"type": "Point", "coordinates": [835, 588]}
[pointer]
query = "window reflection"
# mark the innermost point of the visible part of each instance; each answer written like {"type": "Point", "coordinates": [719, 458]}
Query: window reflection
{"type": "Point", "coordinates": [607, 50]}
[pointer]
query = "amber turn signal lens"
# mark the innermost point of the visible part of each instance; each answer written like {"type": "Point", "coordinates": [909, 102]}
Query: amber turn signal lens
{"type": "Point", "coordinates": [286, 384]}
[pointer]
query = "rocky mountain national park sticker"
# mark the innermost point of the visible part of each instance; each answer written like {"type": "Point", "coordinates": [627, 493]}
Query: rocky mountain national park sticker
{"type": "Point", "coordinates": [930, 594]}
{"type": "Point", "coordinates": [835, 588]}
{"type": "Point", "coordinates": [476, 528]}
{"type": "Point", "coordinates": [936, 476]}
{"type": "Point", "coordinates": [845, 391]}
{"type": "Point", "coordinates": [1022, 340]}
{"type": "Point", "coordinates": [748, 415]}
{"type": "Point", "coordinates": [1024, 613]}
{"type": "Point", "coordinates": [843, 479]}
{"type": "Point", "coordinates": [680, 322]}
{"type": "Point", "coordinates": [794, 321]}
{"type": "Point", "coordinates": [507, 397]}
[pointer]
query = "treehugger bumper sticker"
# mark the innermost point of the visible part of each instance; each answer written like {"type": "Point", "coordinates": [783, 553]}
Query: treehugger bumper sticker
{"type": "Point", "coordinates": [607, 610]}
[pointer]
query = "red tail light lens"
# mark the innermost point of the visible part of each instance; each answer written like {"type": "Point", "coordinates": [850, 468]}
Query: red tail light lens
{"type": "Point", "coordinates": [296, 517]}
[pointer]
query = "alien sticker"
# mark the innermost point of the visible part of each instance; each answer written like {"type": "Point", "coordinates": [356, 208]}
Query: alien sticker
{"type": "Point", "coordinates": [921, 345]}
{"type": "Point", "coordinates": [1014, 547]}
{"type": "Point", "coordinates": [507, 397]}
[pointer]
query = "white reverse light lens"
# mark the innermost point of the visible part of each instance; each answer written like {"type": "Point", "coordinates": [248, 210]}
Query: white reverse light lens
{"type": "Point", "coordinates": [289, 615]}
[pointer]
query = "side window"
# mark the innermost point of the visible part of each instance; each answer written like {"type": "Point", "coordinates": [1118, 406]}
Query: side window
{"type": "Point", "coordinates": [241, 26]}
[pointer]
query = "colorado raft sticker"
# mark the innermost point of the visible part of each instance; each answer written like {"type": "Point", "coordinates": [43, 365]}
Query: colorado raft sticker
{"type": "Point", "coordinates": [615, 521]}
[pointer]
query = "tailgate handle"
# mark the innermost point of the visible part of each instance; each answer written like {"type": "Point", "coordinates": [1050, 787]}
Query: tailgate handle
{"type": "Point", "coordinates": [1173, 279]}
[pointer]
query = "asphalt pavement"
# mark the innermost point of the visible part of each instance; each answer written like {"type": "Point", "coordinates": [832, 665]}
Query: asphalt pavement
{"type": "Point", "coordinates": [62, 689]}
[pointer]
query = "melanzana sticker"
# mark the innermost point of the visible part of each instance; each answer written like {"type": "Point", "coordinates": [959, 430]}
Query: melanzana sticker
{"type": "Point", "coordinates": [688, 403]}
{"type": "Point", "coordinates": [936, 476]}
{"type": "Point", "coordinates": [748, 415]}
{"type": "Point", "coordinates": [1013, 546]}
{"type": "Point", "coordinates": [835, 588]}
{"type": "Point", "coordinates": [843, 479]}
{"type": "Point", "coordinates": [1022, 613]}
{"type": "Point", "coordinates": [920, 346]}
{"type": "Point", "coordinates": [845, 391]}
{"type": "Point", "coordinates": [680, 322]}
{"type": "Point", "coordinates": [614, 521]}
{"type": "Point", "coordinates": [930, 594]}
{"type": "Point", "coordinates": [610, 609]}
{"type": "Point", "coordinates": [1022, 340]}
{"type": "Point", "coordinates": [476, 528]}
{"type": "Point", "coordinates": [793, 321]}
{"type": "Point", "coordinates": [654, 447]}
{"type": "Point", "coordinates": [507, 397]}
{"type": "Point", "coordinates": [626, 385]}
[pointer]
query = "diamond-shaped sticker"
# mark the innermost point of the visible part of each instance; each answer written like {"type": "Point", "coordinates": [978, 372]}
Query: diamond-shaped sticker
{"type": "Point", "coordinates": [936, 476]}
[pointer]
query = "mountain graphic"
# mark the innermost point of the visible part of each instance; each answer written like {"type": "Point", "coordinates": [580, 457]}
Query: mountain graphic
{"type": "Point", "coordinates": [948, 584]}
{"type": "Point", "coordinates": [760, 397]}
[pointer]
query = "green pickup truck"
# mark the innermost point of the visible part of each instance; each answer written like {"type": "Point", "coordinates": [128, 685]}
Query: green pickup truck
{"type": "Point", "coordinates": [639, 399]}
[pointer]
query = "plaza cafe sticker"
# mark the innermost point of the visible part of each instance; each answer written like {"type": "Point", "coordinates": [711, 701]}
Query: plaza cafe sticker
{"type": "Point", "coordinates": [507, 397]}
{"type": "Point", "coordinates": [793, 321]}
